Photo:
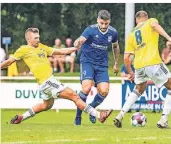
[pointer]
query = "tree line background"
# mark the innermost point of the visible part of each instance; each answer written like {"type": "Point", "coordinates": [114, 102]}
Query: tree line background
{"type": "Point", "coordinates": [69, 20]}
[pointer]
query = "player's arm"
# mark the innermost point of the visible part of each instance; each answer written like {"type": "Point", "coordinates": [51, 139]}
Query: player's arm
{"type": "Point", "coordinates": [7, 62]}
{"type": "Point", "coordinates": [129, 52]}
{"type": "Point", "coordinates": [79, 42]}
{"type": "Point", "coordinates": [156, 26]}
{"type": "Point", "coordinates": [116, 52]}
{"type": "Point", "coordinates": [128, 62]}
{"type": "Point", "coordinates": [64, 51]}
{"type": "Point", "coordinates": [84, 36]}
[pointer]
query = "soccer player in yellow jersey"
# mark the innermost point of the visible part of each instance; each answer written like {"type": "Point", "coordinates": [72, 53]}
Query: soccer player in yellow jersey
{"type": "Point", "coordinates": [143, 44]}
{"type": "Point", "coordinates": [35, 55]}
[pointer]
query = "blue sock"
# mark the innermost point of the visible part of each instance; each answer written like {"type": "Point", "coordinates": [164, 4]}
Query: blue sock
{"type": "Point", "coordinates": [83, 96]}
{"type": "Point", "coordinates": [98, 99]}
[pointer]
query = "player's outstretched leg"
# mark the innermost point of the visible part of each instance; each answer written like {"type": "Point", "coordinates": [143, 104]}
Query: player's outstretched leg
{"type": "Point", "coordinates": [72, 95]}
{"type": "Point", "coordinates": [47, 104]}
{"type": "Point", "coordinates": [78, 118]}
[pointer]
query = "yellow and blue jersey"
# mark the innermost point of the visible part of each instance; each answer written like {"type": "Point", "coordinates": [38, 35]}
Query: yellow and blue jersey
{"type": "Point", "coordinates": [143, 43]}
{"type": "Point", "coordinates": [36, 59]}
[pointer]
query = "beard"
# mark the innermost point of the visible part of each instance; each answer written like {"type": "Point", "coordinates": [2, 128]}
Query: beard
{"type": "Point", "coordinates": [36, 45]}
{"type": "Point", "coordinates": [103, 30]}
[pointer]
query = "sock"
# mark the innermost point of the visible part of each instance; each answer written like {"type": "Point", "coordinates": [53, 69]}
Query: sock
{"type": "Point", "coordinates": [28, 114]}
{"type": "Point", "coordinates": [129, 102]}
{"type": "Point", "coordinates": [91, 111]}
{"type": "Point", "coordinates": [167, 105]}
{"type": "Point", "coordinates": [98, 99]}
{"type": "Point", "coordinates": [83, 96]}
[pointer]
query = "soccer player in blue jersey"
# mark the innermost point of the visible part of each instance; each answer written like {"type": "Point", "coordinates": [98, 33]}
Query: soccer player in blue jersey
{"type": "Point", "coordinates": [94, 42]}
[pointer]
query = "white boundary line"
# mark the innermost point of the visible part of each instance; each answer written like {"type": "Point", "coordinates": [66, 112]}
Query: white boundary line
{"type": "Point", "coordinates": [88, 140]}
{"type": "Point", "coordinates": [52, 141]}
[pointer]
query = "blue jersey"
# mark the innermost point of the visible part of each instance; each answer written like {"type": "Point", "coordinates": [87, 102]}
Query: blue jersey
{"type": "Point", "coordinates": [95, 48]}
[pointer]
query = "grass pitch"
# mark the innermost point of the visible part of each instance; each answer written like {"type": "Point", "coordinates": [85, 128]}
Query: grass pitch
{"type": "Point", "coordinates": [57, 128]}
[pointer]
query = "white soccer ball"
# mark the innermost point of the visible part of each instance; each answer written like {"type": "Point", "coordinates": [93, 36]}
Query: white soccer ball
{"type": "Point", "coordinates": [138, 119]}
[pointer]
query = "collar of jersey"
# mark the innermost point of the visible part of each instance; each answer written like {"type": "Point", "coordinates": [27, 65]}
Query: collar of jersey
{"type": "Point", "coordinates": [103, 32]}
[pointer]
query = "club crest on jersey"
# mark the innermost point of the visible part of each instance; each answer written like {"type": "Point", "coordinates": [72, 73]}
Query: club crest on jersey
{"type": "Point", "coordinates": [109, 38]}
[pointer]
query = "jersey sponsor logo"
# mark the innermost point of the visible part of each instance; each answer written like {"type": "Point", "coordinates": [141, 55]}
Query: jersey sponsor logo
{"type": "Point", "coordinates": [109, 38]}
{"type": "Point", "coordinates": [41, 55]}
{"type": "Point", "coordinates": [99, 46]}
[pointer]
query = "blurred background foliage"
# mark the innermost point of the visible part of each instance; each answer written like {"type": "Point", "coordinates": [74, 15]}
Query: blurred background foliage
{"type": "Point", "coordinates": [69, 20]}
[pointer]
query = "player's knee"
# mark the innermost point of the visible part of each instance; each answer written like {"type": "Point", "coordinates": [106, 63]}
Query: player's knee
{"type": "Point", "coordinates": [103, 92]}
{"type": "Point", "coordinates": [86, 89]}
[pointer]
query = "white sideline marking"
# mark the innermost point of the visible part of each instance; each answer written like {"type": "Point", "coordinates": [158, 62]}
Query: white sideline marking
{"type": "Point", "coordinates": [51, 141]}
{"type": "Point", "coordinates": [92, 139]}
{"type": "Point", "coordinates": [146, 138]}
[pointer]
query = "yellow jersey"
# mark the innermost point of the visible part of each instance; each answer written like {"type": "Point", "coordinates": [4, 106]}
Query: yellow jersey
{"type": "Point", "coordinates": [36, 59]}
{"type": "Point", "coordinates": [143, 43]}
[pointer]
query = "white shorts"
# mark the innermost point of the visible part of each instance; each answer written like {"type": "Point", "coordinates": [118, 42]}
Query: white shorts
{"type": "Point", "coordinates": [159, 74]}
{"type": "Point", "coordinates": [51, 88]}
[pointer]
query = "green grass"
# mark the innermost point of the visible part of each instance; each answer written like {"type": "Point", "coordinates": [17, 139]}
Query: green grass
{"type": "Point", "coordinates": [57, 127]}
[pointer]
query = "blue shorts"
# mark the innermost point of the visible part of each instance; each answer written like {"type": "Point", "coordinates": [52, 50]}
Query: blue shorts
{"type": "Point", "coordinates": [93, 72]}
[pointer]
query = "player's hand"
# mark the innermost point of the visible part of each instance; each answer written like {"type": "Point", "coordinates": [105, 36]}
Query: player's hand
{"type": "Point", "coordinates": [77, 44]}
{"type": "Point", "coordinates": [115, 68]}
{"type": "Point", "coordinates": [131, 76]}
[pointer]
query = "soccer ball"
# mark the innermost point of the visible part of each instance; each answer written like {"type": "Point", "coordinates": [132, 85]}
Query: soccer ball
{"type": "Point", "coordinates": [138, 119]}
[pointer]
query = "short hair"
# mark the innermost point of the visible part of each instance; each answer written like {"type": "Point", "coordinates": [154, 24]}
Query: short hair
{"type": "Point", "coordinates": [140, 14]}
{"type": "Point", "coordinates": [104, 14]}
{"type": "Point", "coordinates": [33, 30]}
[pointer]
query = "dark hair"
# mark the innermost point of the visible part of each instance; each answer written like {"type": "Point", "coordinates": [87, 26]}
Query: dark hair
{"type": "Point", "coordinates": [104, 14]}
{"type": "Point", "coordinates": [140, 14]}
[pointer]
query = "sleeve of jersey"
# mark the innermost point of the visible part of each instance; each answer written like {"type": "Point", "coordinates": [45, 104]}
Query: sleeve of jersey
{"type": "Point", "coordinates": [153, 20]}
{"type": "Point", "coordinates": [87, 32]}
{"type": "Point", "coordinates": [115, 37]}
{"type": "Point", "coordinates": [19, 54]}
{"type": "Point", "coordinates": [49, 50]}
{"type": "Point", "coordinates": [129, 48]}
